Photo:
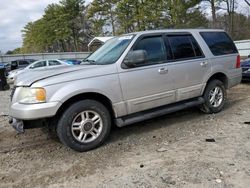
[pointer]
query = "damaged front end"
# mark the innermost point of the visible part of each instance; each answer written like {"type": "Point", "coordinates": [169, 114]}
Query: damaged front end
{"type": "Point", "coordinates": [18, 125]}
{"type": "Point", "coordinates": [21, 125]}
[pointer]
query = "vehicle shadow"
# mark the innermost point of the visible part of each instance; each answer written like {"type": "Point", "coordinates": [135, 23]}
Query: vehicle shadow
{"type": "Point", "coordinates": [155, 124]}
{"type": "Point", "coordinates": [168, 123]}
{"type": "Point", "coordinates": [168, 120]}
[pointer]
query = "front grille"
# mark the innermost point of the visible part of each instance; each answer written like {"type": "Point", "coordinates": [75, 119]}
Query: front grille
{"type": "Point", "coordinates": [12, 92]}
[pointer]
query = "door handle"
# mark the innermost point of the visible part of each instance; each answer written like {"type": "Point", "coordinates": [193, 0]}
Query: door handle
{"type": "Point", "coordinates": [204, 64]}
{"type": "Point", "coordinates": [163, 70]}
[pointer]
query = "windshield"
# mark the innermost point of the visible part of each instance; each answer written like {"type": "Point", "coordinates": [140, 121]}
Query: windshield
{"type": "Point", "coordinates": [111, 51]}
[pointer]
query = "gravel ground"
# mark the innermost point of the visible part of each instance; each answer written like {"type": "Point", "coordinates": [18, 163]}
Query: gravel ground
{"type": "Point", "coordinates": [169, 151]}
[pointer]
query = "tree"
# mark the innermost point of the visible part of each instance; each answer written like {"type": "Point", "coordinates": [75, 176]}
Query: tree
{"type": "Point", "coordinates": [140, 15]}
{"type": "Point", "coordinates": [69, 25]}
{"type": "Point", "coordinates": [180, 12]}
{"type": "Point", "coordinates": [155, 14]}
{"type": "Point", "coordinates": [63, 27]}
{"type": "Point", "coordinates": [15, 51]}
{"type": "Point", "coordinates": [230, 8]}
{"type": "Point", "coordinates": [72, 15]}
{"type": "Point", "coordinates": [214, 5]}
{"type": "Point", "coordinates": [35, 37]}
{"type": "Point", "coordinates": [242, 25]}
{"type": "Point", "coordinates": [102, 13]}
{"type": "Point", "coordinates": [247, 2]}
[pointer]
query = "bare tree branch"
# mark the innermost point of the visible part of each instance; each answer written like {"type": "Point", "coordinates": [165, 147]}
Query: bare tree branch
{"type": "Point", "coordinates": [247, 2]}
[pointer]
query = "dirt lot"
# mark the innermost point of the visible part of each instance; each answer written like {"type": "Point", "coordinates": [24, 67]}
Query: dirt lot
{"type": "Point", "coordinates": [169, 151]}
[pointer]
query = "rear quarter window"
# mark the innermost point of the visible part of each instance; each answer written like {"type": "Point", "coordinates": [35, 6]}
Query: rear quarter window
{"type": "Point", "coordinates": [219, 43]}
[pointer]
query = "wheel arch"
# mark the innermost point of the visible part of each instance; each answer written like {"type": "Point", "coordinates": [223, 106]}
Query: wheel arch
{"type": "Point", "coordinates": [219, 76]}
{"type": "Point", "coordinates": [89, 95]}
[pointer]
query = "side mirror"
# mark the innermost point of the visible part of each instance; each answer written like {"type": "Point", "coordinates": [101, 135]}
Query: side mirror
{"type": "Point", "coordinates": [135, 58]}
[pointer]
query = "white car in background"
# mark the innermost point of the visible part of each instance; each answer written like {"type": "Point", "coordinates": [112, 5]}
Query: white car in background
{"type": "Point", "coordinates": [42, 64]}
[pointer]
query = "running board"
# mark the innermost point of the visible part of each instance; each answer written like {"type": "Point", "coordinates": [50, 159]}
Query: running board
{"type": "Point", "coordinates": [149, 114]}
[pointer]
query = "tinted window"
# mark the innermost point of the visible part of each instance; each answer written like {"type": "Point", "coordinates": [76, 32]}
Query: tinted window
{"type": "Point", "coordinates": [155, 48]}
{"type": "Point", "coordinates": [181, 46]}
{"type": "Point", "coordinates": [219, 43]}
{"type": "Point", "coordinates": [196, 47]}
{"type": "Point", "coordinates": [38, 64]}
{"type": "Point", "coordinates": [14, 63]}
{"type": "Point", "coordinates": [54, 62]}
{"type": "Point", "coordinates": [23, 63]}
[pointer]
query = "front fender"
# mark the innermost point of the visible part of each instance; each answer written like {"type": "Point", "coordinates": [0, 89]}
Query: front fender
{"type": "Point", "coordinates": [106, 85]}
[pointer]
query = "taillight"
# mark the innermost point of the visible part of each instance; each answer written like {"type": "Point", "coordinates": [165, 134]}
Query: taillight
{"type": "Point", "coordinates": [238, 62]}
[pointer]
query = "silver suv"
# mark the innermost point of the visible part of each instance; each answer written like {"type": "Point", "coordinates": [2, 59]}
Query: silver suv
{"type": "Point", "coordinates": [131, 78]}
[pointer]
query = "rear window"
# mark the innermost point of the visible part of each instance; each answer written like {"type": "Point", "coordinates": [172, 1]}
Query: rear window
{"type": "Point", "coordinates": [219, 43]}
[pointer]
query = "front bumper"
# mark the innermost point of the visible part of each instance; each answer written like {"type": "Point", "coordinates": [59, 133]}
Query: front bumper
{"type": "Point", "coordinates": [34, 111]}
{"type": "Point", "coordinates": [21, 125]}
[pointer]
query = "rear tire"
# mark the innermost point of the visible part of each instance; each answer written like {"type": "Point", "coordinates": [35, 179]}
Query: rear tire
{"type": "Point", "coordinates": [215, 96]}
{"type": "Point", "coordinates": [85, 125]}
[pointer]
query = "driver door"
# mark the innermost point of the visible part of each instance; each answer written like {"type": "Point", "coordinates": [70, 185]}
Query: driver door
{"type": "Point", "coordinates": [149, 84]}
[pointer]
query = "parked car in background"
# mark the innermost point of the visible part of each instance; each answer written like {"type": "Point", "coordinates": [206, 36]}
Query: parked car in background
{"type": "Point", "coordinates": [2, 65]}
{"type": "Point", "coordinates": [6, 66]}
{"type": "Point", "coordinates": [131, 78]}
{"type": "Point", "coordinates": [73, 61]}
{"type": "Point", "coordinates": [20, 64]}
{"type": "Point", "coordinates": [245, 70]}
{"type": "Point", "coordinates": [36, 65]}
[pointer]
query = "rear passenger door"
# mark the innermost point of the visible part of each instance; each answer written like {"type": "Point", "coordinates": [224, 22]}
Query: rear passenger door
{"type": "Point", "coordinates": [189, 65]}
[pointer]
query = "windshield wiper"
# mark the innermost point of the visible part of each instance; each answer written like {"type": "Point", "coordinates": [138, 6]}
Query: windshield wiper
{"type": "Point", "coordinates": [89, 61]}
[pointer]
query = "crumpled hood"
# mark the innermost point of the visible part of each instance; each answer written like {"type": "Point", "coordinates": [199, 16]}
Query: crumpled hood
{"type": "Point", "coordinates": [30, 77]}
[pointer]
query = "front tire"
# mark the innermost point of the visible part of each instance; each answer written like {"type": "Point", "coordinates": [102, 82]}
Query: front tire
{"type": "Point", "coordinates": [215, 97]}
{"type": "Point", "coordinates": [85, 125]}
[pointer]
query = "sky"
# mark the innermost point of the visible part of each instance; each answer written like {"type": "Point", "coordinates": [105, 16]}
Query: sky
{"type": "Point", "coordinates": [15, 14]}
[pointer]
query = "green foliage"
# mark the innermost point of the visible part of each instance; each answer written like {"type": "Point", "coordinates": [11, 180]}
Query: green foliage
{"type": "Point", "coordinates": [140, 15]}
{"type": "Point", "coordinates": [102, 13]}
{"type": "Point", "coordinates": [185, 13]}
{"type": "Point", "coordinates": [70, 25]}
{"type": "Point", "coordinates": [60, 28]}
{"type": "Point", "coordinates": [15, 51]}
